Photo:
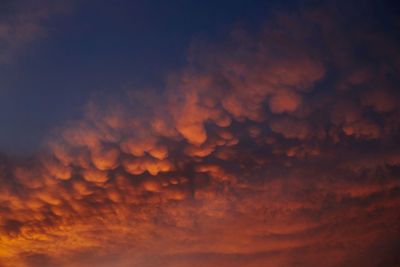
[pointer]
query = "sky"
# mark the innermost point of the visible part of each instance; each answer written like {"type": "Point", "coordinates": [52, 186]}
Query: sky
{"type": "Point", "coordinates": [199, 133]}
{"type": "Point", "coordinates": [81, 48]}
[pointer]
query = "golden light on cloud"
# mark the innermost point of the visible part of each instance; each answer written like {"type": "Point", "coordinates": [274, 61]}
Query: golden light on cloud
{"type": "Point", "coordinates": [248, 159]}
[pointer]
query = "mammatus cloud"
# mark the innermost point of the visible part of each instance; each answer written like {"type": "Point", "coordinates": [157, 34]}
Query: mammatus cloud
{"type": "Point", "coordinates": [273, 149]}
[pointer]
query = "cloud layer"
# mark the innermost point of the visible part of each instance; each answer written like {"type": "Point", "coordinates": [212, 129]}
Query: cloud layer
{"type": "Point", "coordinates": [273, 149]}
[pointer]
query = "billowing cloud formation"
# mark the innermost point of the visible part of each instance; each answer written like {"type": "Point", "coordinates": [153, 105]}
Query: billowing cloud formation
{"type": "Point", "coordinates": [277, 149]}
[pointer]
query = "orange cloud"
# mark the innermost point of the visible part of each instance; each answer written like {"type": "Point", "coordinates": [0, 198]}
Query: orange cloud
{"type": "Point", "coordinates": [253, 158]}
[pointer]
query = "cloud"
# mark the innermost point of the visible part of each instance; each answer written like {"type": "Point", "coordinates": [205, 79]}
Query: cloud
{"type": "Point", "coordinates": [265, 151]}
{"type": "Point", "coordinates": [23, 22]}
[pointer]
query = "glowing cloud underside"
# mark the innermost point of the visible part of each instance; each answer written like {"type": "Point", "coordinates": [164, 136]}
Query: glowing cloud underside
{"type": "Point", "coordinates": [254, 155]}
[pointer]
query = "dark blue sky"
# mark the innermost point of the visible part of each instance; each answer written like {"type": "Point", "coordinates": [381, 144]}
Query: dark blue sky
{"type": "Point", "coordinates": [97, 46]}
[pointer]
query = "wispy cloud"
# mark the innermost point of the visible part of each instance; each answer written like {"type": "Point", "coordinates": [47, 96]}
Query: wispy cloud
{"type": "Point", "coordinates": [23, 22]}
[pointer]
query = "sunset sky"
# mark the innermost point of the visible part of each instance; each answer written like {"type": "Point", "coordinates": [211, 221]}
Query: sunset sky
{"type": "Point", "coordinates": [199, 133]}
